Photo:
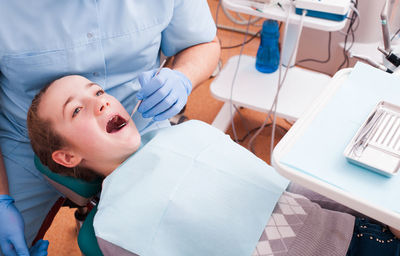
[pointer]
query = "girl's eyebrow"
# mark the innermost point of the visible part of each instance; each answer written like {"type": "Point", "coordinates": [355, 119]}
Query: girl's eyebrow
{"type": "Point", "coordinates": [70, 97]}
{"type": "Point", "coordinates": [90, 84]}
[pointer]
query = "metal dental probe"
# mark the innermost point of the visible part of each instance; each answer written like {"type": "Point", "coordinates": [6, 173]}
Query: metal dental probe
{"type": "Point", "coordinates": [140, 101]}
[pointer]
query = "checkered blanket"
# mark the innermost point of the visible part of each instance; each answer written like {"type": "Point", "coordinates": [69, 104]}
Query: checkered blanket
{"type": "Point", "coordinates": [300, 227]}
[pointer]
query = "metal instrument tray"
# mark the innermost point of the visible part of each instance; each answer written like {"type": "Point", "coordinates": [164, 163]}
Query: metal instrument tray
{"type": "Point", "coordinates": [376, 145]}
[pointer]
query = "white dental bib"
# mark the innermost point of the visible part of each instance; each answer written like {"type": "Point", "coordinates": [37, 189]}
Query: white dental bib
{"type": "Point", "coordinates": [189, 191]}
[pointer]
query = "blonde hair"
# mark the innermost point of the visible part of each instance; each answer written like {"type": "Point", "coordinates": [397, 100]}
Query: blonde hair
{"type": "Point", "coordinates": [45, 140]}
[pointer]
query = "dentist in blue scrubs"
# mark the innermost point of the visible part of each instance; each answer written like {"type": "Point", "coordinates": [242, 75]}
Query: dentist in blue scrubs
{"type": "Point", "coordinates": [116, 44]}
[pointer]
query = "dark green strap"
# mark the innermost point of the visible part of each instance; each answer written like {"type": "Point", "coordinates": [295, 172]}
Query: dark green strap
{"type": "Point", "coordinates": [87, 239]}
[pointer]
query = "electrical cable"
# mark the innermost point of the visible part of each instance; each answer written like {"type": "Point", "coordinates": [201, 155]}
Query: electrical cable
{"type": "Point", "coordinates": [242, 120]}
{"type": "Point", "coordinates": [239, 45]}
{"type": "Point", "coordinates": [354, 20]}
{"type": "Point", "coordinates": [350, 31]}
{"type": "Point", "coordinates": [283, 80]}
{"type": "Point", "coordinates": [395, 34]}
{"type": "Point", "coordinates": [254, 22]}
{"type": "Point", "coordinates": [288, 122]}
{"type": "Point", "coordinates": [248, 131]}
{"type": "Point", "coordinates": [256, 128]}
{"type": "Point", "coordinates": [233, 46]}
{"type": "Point", "coordinates": [346, 60]}
{"type": "Point", "coordinates": [351, 19]}
{"type": "Point", "coordinates": [230, 47]}
{"type": "Point", "coordinates": [248, 41]}
{"type": "Point", "coordinates": [355, 15]}
{"type": "Point", "coordinates": [234, 79]}
{"type": "Point", "coordinates": [250, 144]}
{"type": "Point", "coordinates": [239, 22]}
{"type": "Point", "coordinates": [358, 18]}
{"type": "Point", "coordinates": [280, 83]}
{"type": "Point", "coordinates": [316, 60]}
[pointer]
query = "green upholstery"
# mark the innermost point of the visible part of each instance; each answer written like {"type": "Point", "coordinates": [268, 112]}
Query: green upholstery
{"type": "Point", "coordinates": [87, 239]}
{"type": "Point", "coordinates": [83, 188]}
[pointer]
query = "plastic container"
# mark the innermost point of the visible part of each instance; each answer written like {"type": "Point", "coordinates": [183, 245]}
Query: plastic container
{"type": "Point", "coordinates": [267, 60]}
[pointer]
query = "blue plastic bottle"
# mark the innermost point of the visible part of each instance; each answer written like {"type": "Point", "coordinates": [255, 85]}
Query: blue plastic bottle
{"type": "Point", "coordinates": [267, 60]}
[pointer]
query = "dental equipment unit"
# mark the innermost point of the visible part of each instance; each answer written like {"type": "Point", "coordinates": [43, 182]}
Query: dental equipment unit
{"type": "Point", "coordinates": [325, 9]}
{"type": "Point", "coordinates": [394, 60]}
{"type": "Point", "coordinates": [370, 62]}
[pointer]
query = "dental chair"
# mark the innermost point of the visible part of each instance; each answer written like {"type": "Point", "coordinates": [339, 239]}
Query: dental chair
{"type": "Point", "coordinates": [82, 195]}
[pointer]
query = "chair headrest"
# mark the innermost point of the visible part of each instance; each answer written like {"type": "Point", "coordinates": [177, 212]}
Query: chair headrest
{"type": "Point", "coordinates": [83, 188]}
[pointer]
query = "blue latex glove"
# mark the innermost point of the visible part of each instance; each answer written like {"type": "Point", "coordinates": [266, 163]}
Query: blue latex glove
{"type": "Point", "coordinates": [40, 248]}
{"type": "Point", "coordinates": [163, 95]}
{"type": "Point", "coordinates": [12, 240]}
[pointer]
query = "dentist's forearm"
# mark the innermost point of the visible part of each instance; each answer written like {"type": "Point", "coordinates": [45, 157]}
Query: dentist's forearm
{"type": "Point", "coordinates": [198, 62]}
{"type": "Point", "coordinates": [3, 177]}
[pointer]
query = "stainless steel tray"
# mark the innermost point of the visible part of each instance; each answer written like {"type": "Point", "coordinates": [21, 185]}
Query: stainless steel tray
{"type": "Point", "coordinates": [376, 145]}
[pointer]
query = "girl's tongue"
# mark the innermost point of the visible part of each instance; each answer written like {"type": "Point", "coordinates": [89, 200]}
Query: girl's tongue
{"type": "Point", "coordinates": [115, 124]}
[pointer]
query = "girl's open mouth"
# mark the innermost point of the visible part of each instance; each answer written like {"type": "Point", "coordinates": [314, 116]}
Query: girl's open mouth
{"type": "Point", "coordinates": [115, 124]}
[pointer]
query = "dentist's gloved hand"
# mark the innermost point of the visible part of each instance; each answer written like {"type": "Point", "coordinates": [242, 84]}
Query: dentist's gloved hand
{"type": "Point", "coordinates": [163, 95]}
{"type": "Point", "coordinates": [12, 240]}
{"type": "Point", "coordinates": [40, 248]}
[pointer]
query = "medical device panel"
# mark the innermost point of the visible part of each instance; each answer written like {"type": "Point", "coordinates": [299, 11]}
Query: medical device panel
{"type": "Point", "coordinates": [325, 9]}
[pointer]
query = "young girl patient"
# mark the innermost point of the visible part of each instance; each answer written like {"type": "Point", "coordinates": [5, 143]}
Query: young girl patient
{"type": "Point", "coordinates": [184, 190]}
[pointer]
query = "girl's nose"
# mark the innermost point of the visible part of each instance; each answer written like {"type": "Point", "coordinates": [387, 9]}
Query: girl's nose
{"type": "Point", "coordinates": [102, 105]}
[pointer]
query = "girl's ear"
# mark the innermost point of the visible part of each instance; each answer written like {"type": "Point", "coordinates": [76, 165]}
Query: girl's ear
{"type": "Point", "coordinates": [66, 158]}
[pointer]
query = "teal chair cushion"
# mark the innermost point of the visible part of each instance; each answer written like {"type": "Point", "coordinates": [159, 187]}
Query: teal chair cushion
{"type": "Point", "coordinates": [83, 188]}
{"type": "Point", "coordinates": [87, 239]}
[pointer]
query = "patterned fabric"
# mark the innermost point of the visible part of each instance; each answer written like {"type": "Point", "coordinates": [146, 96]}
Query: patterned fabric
{"type": "Point", "coordinates": [297, 227]}
{"type": "Point", "coordinates": [286, 220]}
{"type": "Point", "coordinates": [292, 222]}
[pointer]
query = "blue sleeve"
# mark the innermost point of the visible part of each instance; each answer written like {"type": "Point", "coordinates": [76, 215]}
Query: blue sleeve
{"type": "Point", "coordinates": [191, 24]}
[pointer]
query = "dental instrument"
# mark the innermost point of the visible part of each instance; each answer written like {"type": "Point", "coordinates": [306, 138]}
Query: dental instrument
{"type": "Point", "coordinates": [370, 62]}
{"type": "Point", "coordinates": [390, 56]}
{"type": "Point", "coordinates": [385, 26]}
{"type": "Point", "coordinates": [140, 101]}
{"type": "Point", "coordinates": [136, 107]}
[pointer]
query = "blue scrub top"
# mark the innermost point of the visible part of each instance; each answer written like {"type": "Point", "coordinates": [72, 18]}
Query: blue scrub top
{"type": "Point", "coordinates": [109, 42]}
